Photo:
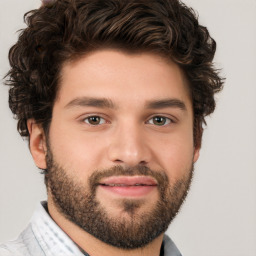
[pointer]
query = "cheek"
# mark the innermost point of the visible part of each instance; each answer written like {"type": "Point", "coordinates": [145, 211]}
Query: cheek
{"type": "Point", "coordinates": [75, 151]}
{"type": "Point", "coordinates": [177, 156]}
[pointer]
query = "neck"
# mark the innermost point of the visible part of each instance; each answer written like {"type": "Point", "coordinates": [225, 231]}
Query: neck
{"type": "Point", "coordinates": [94, 246]}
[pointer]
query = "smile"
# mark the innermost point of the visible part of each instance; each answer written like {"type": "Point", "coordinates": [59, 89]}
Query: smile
{"type": "Point", "coordinates": [128, 186]}
{"type": "Point", "coordinates": [124, 185]}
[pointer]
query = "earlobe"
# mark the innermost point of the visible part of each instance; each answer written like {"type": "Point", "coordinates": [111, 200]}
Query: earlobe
{"type": "Point", "coordinates": [196, 154]}
{"type": "Point", "coordinates": [37, 143]}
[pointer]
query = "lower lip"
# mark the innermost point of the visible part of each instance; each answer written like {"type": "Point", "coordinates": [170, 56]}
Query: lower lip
{"type": "Point", "coordinates": [129, 191]}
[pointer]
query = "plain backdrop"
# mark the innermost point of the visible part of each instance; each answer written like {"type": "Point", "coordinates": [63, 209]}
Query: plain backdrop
{"type": "Point", "coordinates": [219, 216]}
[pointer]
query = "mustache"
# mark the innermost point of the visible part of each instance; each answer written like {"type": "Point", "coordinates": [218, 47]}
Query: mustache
{"type": "Point", "coordinates": [139, 170]}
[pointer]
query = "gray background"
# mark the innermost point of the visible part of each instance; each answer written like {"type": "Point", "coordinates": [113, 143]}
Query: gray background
{"type": "Point", "coordinates": [219, 217]}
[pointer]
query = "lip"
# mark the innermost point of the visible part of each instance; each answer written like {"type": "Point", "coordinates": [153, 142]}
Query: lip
{"type": "Point", "coordinates": [128, 186]}
{"type": "Point", "coordinates": [129, 180]}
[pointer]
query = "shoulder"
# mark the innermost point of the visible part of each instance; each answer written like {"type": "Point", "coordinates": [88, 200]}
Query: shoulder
{"type": "Point", "coordinates": [24, 245]}
{"type": "Point", "coordinates": [4, 251]}
{"type": "Point", "coordinates": [12, 248]}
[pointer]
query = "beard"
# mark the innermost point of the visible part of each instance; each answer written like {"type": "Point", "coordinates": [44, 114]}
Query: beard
{"type": "Point", "coordinates": [77, 201]}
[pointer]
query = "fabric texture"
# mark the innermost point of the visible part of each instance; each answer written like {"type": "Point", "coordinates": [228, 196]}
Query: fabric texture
{"type": "Point", "coordinates": [43, 237]}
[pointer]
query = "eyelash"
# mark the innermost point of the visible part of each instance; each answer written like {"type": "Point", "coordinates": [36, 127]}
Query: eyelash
{"type": "Point", "coordinates": [167, 120]}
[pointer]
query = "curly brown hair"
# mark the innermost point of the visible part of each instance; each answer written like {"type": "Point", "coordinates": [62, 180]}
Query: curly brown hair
{"type": "Point", "coordinates": [64, 30]}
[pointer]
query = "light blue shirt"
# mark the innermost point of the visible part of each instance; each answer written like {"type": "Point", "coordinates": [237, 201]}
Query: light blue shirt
{"type": "Point", "coordinates": [43, 237]}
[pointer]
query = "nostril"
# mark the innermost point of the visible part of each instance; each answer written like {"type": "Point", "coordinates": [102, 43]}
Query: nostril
{"type": "Point", "coordinates": [118, 161]}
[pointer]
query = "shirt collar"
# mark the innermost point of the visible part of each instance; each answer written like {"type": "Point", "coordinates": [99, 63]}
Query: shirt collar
{"type": "Point", "coordinates": [54, 241]}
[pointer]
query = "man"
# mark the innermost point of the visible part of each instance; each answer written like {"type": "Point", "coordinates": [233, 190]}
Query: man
{"type": "Point", "coordinates": [112, 96]}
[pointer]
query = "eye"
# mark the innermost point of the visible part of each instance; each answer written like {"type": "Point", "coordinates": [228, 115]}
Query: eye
{"type": "Point", "coordinates": [160, 120]}
{"type": "Point", "coordinates": [94, 120]}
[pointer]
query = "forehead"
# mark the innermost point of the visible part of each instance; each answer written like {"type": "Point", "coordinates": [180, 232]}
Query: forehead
{"type": "Point", "coordinates": [122, 77]}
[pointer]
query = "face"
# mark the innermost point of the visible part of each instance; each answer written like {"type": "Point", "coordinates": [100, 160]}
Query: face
{"type": "Point", "coordinates": [120, 146]}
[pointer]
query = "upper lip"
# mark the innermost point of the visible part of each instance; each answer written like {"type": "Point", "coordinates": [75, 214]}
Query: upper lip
{"type": "Point", "coordinates": [128, 181]}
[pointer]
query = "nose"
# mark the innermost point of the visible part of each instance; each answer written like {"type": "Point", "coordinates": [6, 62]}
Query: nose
{"type": "Point", "coordinates": [128, 146]}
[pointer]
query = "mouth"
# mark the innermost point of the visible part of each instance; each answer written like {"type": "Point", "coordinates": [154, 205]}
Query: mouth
{"type": "Point", "coordinates": [128, 186]}
{"type": "Point", "coordinates": [124, 185]}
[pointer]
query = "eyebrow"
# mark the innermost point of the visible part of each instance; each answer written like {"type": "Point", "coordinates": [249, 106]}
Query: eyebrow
{"type": "Point", "coordinates": [91, 102]}
{"type": "Point", "coordinates": [166, 103]}
{"type": "Point", "coordinates": [107, 103]}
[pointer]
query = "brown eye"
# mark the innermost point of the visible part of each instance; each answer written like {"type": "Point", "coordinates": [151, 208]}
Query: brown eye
{"type": "Point", "coordinates": [160, 120]}
{"type": "Point", "coordinates": [94, 120]}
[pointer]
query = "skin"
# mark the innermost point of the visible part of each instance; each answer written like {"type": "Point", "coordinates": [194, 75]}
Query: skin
{"type": "Point", "coordinates": [126, 135]}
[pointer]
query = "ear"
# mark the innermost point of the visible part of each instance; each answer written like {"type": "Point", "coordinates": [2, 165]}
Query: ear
{"type": "Point", "coordinates": [37, 143]}
{"type": "Point", "coordinates": [196, 154]}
